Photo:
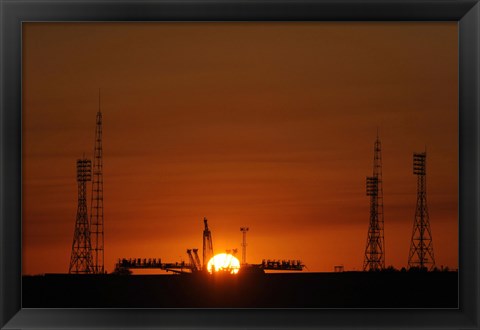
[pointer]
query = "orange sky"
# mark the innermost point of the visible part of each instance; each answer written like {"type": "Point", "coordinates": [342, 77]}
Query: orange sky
{"type": "Point", "coordinates": [266, 125]}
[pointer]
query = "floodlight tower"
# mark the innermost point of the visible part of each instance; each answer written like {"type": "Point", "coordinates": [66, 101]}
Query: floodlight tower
{"type": "Point", "coordinates": [421, 246]}
{"type": "Point", "coordinates": [375, 248]}
{"type": "Point", "coordinates": [244, 244]}
{"type": "Point", "coordinates": [96, 206]}
{"type": "Point", "coordinates": [81, 256]}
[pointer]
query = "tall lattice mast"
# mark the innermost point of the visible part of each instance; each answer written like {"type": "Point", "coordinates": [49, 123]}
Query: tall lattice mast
{"type": "Point", "coordinates": [96, 212]}
{"type": "Point", "coordinates": [421, 246]}
{"type": "Point", "coordinates": [81, 258]}
{"type": "Point", "coordinates": [375, 249]}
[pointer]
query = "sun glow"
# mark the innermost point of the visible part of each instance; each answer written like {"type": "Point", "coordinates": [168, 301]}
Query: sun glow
{"type": "Point", "coordinates": [223, 262]}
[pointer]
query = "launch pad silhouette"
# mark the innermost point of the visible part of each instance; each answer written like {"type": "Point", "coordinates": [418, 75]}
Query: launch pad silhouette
{"type": "Point", "coordinates": [87, 254]}
{"type": "Point", "coordinates": [194, 266]}
{"type": "Point", "coordinates": [201, 283]}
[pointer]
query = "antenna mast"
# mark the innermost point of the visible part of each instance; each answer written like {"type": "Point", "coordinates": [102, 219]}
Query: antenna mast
{"type": "Point", "coordinates": [244, 244]}
{"type": "Point", "coordinates": [96, 212]}
{"type": "Point", "coordinates": [375, 249]}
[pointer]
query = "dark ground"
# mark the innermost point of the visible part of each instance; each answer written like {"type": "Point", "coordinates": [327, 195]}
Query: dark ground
{"type": "Point", "coordinates": [288, 290]}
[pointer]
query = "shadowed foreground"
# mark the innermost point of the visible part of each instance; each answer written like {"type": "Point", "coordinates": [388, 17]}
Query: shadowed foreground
{"type": "Point", "coordinates": [288, 290]}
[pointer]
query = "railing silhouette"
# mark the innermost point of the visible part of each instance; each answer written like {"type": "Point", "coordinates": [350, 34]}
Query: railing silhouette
{"type": "Point", "coordinates": [281, 265]}
{"type": "Point", "coordinates": [139, 263]}
{"type": "Point", "coordinates": [181, 267]}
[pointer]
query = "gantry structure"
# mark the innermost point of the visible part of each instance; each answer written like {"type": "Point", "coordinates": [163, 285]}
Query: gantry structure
{"type": "Point", "coordinates": [207, 244]}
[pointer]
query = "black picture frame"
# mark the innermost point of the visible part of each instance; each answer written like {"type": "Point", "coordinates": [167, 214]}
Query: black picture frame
{"type": "Point", "coordinates": [14, 12]}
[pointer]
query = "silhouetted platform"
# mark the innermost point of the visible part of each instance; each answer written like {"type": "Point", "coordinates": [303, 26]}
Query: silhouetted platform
{"type": "Point", "coordinates": [285, 290]}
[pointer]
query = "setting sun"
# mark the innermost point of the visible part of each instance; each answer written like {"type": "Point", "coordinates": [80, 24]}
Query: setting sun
{"type": "Point", "coordinates": [223, 262]}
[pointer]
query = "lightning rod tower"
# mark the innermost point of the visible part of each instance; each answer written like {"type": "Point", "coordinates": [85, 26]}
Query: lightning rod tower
{"type": "Point", "coordinates": [96, 211]}
{"type": "Point", "coordinates": [81, 258]}
{"type": "Point", "coordinates": [421, 246]}
{"type": "Point", "coordinates": [375, 248]}
{"type": "Point", "coordinates": [244, 244]}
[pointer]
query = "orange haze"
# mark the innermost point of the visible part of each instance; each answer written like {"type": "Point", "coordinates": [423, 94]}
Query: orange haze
{"type": "Point", "coordinates": [265, 125]}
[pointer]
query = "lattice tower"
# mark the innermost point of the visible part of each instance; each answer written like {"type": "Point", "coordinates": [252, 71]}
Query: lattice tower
{"type": "Point", "coordinates": [81, 257]}
{"type": "Point", "coordinates": [421, 247]}
{"type": "Point", "coordinates": [375, 247]}
{"type": "Point", "coordinates": [96, 206]}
